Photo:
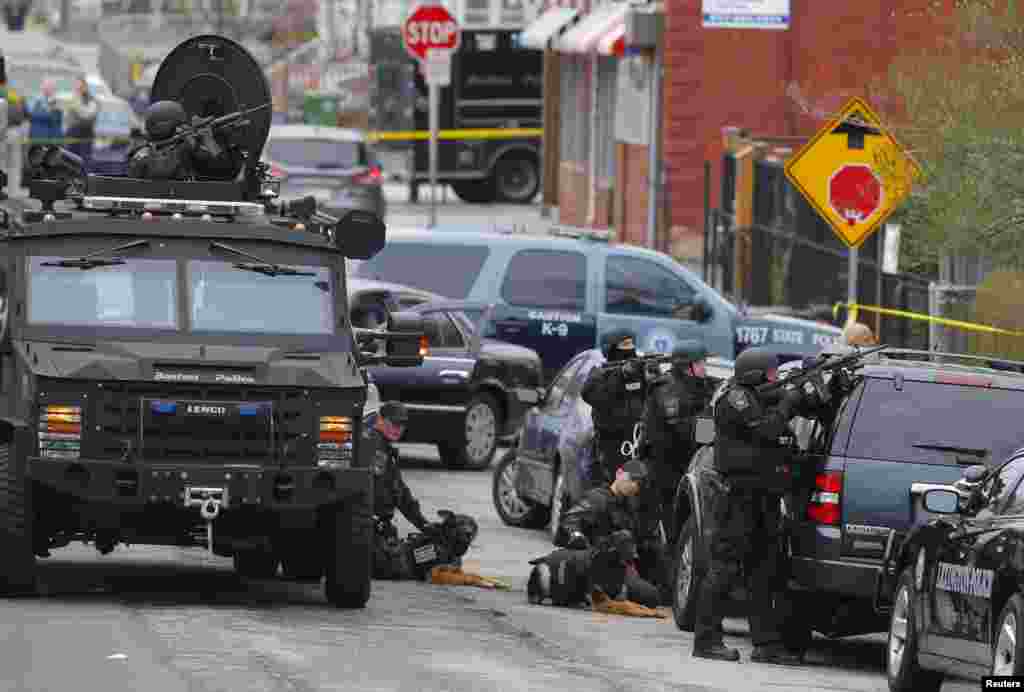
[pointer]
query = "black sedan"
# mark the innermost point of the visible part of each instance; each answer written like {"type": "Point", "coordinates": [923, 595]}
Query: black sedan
{"type": "Point", "coordinates": [535, 482]}
{"type": "Point", "coordinates": [959, 594]}
{"type": "Point", "coordinates": [471, 391]}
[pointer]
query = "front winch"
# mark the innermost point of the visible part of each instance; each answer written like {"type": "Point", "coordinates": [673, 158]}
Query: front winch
{"type": "Point", "coordinates": [210, 501]}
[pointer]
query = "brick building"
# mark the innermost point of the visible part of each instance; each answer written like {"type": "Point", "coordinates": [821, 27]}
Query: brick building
{"type": "Point", "coordinates": [773, 83]}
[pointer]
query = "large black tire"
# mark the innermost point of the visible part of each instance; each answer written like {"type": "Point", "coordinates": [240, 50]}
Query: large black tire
{"type": "Point", "coordinates": [512, 509]}
{"type": "Point", "coordinates": [517, 178]}
{"type": "Point", "coordinates": [902, 669]}
{"type": "Point", "coordinates": [255, 564]}
{"type": "Point", "coordinates": [476, 191]}
{"type": "Point", "coordinates": [350, 563]}
{"type": "Point", "coordinates": [18, 566]}
{"type": "Point", "coordinates": [1008, 650]}
{"type": "Point", "coordinates": [684, 589]}
{"type": "Point", "coordinates": [478, 440]}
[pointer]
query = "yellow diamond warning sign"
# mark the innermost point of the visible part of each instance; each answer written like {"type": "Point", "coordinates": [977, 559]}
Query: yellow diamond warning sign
{"type": "Point", "coordinates": [853, 172]}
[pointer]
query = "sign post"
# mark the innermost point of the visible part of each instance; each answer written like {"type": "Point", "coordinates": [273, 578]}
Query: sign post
{"type": "Point", "coordinates": [855, 175]}
{"type": "Point", "coordinates": [431, 36]}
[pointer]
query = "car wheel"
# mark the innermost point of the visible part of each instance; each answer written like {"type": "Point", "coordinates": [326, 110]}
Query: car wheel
{"type": "Point", "coordinates": [559, 502]}
{"type": "Point", "coordinates": [517, 178]}
{"type": "Point", "coordinates": [18, 571]}
{"type": "Point", "coordinates": [904, 673]}
{"type": "Point", "coordinates": [684, 595]}
{"type": "Point", "coordinates": [1008, 652]}
{"type": "Point", "coordinates": [349, 568]}
{"type": "Point", "coordinates": [479, 436]}
{"type": "Point", "coordinates": [476, 191]}
{"type": "Point", "coordinates": [511, 508]}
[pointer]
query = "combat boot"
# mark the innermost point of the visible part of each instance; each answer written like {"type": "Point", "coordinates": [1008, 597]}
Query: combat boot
{"type": "Point", "coordinates": [717, 652]}
{"type": "Point", "coordinates": [777, 654]}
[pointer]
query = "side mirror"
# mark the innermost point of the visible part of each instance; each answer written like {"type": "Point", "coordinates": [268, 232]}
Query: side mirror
{"type": "Point", "coordinates": [404, 342]}
{"type": "Point", "coordinates": [701, 310]}
{"type": "Point", "coordinates": [976, 473]}
{"type": "Point", "coordinates": [942, 502]}
{"type": "Point", "coordinates": [360, 234]}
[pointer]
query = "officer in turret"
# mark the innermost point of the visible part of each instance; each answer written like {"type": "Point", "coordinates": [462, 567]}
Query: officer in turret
{"type": "Point", "coordinates": [616, 393]}
{"type": "Point", "coordinates": [200, 152]}
{"type": "Point", "coordinates": [741, 508]}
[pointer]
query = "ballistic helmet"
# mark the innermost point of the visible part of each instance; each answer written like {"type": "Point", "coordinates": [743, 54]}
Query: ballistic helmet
{"type": "Point", "coordinates": [753, 364]}
{"type": "Point", "coordinates": [162, 118]}
{"type": "Point", "coordinates": [394, 411]}
{"type": "Point", "coordinates": [619, 344]}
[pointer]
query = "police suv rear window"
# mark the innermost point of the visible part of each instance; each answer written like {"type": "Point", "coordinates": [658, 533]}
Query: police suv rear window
{"type": "Point", "coordinates": [448, 270]}
{"type": "Point", "coordinates": [546, 279]}
{"type": "Point", "coordinates": [933, 422]}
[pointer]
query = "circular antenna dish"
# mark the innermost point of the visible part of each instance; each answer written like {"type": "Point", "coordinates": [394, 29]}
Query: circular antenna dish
{"type": "Point", "coordinates": [211, 76]}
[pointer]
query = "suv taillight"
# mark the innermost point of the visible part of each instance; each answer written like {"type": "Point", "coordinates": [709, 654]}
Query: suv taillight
{"type": "Point", "coordinates": [824, 507]}
{"type": "Point", "coordinates": [335, 441]}
{"type": "Point", "coordinates": [370, 177]}
{"type": "Point", "coordinates": [60, 432]}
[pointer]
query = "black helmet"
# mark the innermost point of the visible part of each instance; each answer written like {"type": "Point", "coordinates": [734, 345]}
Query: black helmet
{"type": "Point", "coordinates": [690, 351]}
{"type": "Point", "coordinates": [752, 366]}
{"type": "Point", "coordinates": [394, 411]}
{"type": "Point", "coordinates": [162, 118]}
{"type": "Point", "coordinates": [611, 344]}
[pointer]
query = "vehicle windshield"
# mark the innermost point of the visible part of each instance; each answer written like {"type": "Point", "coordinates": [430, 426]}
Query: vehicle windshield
{"type": "Point", "coordinates": [139, 293]}
{"type": "Point", "coordinates": [909, 424]}
{"type": "Point", "coordinates": [223, 298]}
{"type": "Point", "coordinates": [315, 153]}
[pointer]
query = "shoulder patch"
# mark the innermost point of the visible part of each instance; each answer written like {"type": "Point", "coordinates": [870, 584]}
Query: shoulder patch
{"type": "Point", "coordinates": [739, 399]}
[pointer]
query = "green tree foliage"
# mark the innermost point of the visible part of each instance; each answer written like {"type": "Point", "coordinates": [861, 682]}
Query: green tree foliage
{"type": "Point", "coordinates": [963, 120]}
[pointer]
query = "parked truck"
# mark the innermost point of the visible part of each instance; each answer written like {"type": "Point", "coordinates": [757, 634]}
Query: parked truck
{"type": "Point", "coordinates": [495, 91]}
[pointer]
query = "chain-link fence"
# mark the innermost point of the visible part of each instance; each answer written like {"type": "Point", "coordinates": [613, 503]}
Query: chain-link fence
{"type": "Point", "coordinates": [790, 257]}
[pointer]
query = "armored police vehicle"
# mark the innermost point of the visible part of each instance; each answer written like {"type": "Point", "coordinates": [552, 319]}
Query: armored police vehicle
{"type": "Point", "coordinates": [177, 363]}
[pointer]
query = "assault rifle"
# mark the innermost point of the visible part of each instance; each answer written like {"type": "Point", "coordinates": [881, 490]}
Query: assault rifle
{"type": "Point", "coordinates": [824, 363]}
{"type": "Point", "coordinates": [230, 121]}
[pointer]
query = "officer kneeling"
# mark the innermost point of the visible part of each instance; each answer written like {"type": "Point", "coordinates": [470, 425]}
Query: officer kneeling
{"type": "Point", "coordinates": [741, 512]}
{"type": "Point", "coordinates": [437, 543]}
{"type": "Point", "coordinates": [600, 548]}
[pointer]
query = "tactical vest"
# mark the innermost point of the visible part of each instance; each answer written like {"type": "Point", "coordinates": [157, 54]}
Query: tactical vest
{"type": "Point", "coordinates": [743, 456]}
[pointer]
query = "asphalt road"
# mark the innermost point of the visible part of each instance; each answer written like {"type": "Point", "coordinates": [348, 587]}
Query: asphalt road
{"type": "Point", "coordinates": [178, 620]}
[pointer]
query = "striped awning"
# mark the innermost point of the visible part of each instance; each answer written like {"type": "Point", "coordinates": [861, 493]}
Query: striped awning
{"type": "Point", "coordinates": [587, 34]}
{"type": "Point", "coordinates": [614, 42]}
{"type": "Point", "coordinates": [549, 25]}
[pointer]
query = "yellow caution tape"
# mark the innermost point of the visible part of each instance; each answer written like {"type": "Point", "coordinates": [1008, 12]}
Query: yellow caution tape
{"type": "Point", "coordinates": [960, 324]}
{"type": "Point", "coordinates": [491, 133]}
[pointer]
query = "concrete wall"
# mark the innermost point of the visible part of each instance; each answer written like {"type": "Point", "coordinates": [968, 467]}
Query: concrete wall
{"type": "Point", "coordinates": [769, 82]}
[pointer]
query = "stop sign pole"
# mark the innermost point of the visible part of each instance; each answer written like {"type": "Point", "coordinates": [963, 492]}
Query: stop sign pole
{"type": "Point", "coordinates": [431, 36]}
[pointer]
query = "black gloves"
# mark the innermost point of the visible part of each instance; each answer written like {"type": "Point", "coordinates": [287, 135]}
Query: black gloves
{"type": "Point", "coordinates": [577, 541]}
{"type": "Point", "coordinates": [631, 369]}
{"type": "Point", "coordinates": [792, 397]}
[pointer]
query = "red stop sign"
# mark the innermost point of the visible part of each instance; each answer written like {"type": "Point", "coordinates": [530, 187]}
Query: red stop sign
{"type": "Point", "coordinates": [430, 27]}
{"type": "Point", "coordinates": [854, 192]}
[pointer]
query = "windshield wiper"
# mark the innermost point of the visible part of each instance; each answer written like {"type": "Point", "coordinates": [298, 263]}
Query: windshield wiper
{"type": "Point", "coordinates": [260, 266]}
{"type": "Point", "coordinates": [95, 259]}
{"type": "Point", "coordinates": [980, 453]}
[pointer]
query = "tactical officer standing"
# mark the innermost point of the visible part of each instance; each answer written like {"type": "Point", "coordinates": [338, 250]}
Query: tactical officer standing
{"type": "Point", "coordinates": [675, 399]}
{"type": "Point", "coordinates": [439, 543]}
{"type": "Point", "coordinates": [615, 393]}
{"type": "Point", "coordinates": [600, 535]}
{"type": "Point", "coordinates": [740, 508]}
